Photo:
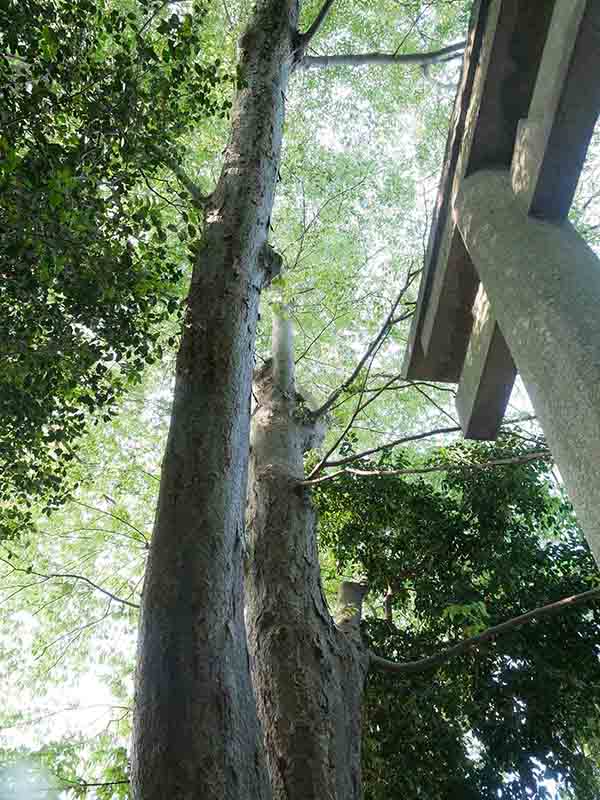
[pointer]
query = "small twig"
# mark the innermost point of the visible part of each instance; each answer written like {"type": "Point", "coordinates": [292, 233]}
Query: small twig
{"type": "Point", "coordinates": [114, 516]}
{"type": "Point", "coordinates": [71, 576]}
{"type": "Point", "coordinates": [183, 178]}
{"type": "Point", "coordinates": [75, 633]}
{"type": "Point", "coordinates": [359, 407]}
{"type": "Point", "coordinates": [316, 338]}
{"type": "Point", "coordinates": [228, 15]}
{"type": "Point", "coordinates": [437, 405]}
{"type": "Point", "coordinates": [465, 645]}
{"type": "Point", "coordinates": [371, 349]}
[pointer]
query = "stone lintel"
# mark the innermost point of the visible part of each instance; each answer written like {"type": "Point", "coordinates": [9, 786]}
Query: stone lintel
{"type": "Point", "coordinates": [505, 49]}
{"type": "Point", "coordinates": [552, 141]}
{"type": "Point", "coordinates": [488, 375]}
{"type": "Point", "coordinates": [418, 365]}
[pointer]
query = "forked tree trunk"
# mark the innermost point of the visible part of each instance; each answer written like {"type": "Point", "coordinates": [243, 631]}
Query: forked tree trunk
{"type": "Point", "coordinates": [308, 672]}
{"type": "Point", "coordinates": [196, 733]}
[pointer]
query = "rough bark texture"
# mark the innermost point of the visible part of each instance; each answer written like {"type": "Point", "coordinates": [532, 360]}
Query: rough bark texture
{"type": "Point", "coordinates": [308, 673]}
{"type": "Point", "coordinates": [196, 733]}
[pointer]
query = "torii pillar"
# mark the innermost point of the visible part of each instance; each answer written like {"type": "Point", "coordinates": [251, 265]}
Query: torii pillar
{"type": "Point", "coordinates": [508, 283]}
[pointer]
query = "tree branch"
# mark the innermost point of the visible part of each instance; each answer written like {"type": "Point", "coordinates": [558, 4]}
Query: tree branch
{"type": "Point", "coordinates": [383, 331]}
{"type": "Point", "coordinates": [184, 179]}
{"type": "Point", "coordinates": [72, 576]}
{"type": "Point", "coordinates": [363, 59]}
{"type": "Point", "coordinates": [359, 407]}
{"type": "Point", "coordinates": [497, 462]}
{"type": "Point", "coordinates": [468, 644]}
{"type": "Point", "coordinates": [305, 38]}
{"type": "Point", "coordinates": [404, 440]}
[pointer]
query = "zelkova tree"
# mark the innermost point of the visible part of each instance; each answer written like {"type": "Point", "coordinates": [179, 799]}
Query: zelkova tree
{"type": "Point", "coordinates": [308, 673]}
{"type": "Point", "coordinates": [195, 726]}
{"type": "Point", "coordinates": [309, 669]}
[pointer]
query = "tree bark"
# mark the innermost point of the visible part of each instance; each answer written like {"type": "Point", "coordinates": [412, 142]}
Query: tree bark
{"type": "Point", "coordinates": [308, 672]}
{"type": "Point", "coordinates": [196, 733]}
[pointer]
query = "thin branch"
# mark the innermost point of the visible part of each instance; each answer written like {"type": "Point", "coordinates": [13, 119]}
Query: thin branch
{"type": "Point", "coordinates": [316, 338]}
{"type": "Point", "coordinates": [360, 406]}
{"type": "Point", "coordinates": [437, 405]}
{"type": "Point", "coordinates": [86, 785]}
{"type": "Point", "coordinates": [162, 197]}
{"type": "Point", "coordinates": [228, 15]}
{"type": "Point", "coordinates": [332, 198]}
{"type": "Point", "coordinates": [394, 443]}
{"type": "Point", "coordinates": [306, 38]}
{"type": "Point", "coordinates": [72, 576]}
{"type": "Point", "coordinates": [383, 331]}
{"type": "Point", "coordinates": [497, 462]}
{"type": "Point", "coordinates": [67, 710]}
{"type": "Point", "coordinates": [474, 641]}
{"type": "Point", "coordinates": [184, 179]}
{"type": "Point", "coordinates": [363, 59]}
{"type": "Point", "coordinates": [75, 633]}
{"type": "Point", "coordinates": [114, 516]}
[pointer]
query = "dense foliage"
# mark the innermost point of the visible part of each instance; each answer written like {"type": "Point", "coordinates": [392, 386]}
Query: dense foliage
{"type": "Point", "coordinates": [94, 100]}
{"type": "Point", "coordinates": [482, 547]}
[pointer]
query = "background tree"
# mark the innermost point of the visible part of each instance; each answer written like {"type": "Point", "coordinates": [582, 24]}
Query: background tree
{"type": "Point", "coordinates": [88, 280]}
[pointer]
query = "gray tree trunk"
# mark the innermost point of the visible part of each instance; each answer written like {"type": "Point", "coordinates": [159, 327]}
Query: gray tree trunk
{"type": "Point", "coordinates": [308, 672]}
{"type": "Point", "coordinates": [196, 733]}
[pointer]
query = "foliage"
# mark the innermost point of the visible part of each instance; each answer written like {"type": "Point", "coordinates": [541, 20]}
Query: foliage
{"type": "Point", "coordinates": [55, 769]}
{"type": "Point", "coordinates": [484, 546]}
{"type": "Point", "coordinates": [95, 99]}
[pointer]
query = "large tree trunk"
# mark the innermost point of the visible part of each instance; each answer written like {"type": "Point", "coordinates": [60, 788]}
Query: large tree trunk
{"type": "Point", "coordinates": [308, 673]}
{"type": "Point", "coordinates": [196, 733]}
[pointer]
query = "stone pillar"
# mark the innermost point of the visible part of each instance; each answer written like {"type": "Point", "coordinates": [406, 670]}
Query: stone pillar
{"type": "Point", "coordinates": [543, 282]}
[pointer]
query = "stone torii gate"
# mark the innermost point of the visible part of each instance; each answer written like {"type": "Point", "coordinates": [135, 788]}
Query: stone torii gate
{"type": "Point", "coordinates": [508, 283]}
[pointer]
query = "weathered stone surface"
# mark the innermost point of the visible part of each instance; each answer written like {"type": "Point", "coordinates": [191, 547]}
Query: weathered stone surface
{"type": "Point", "coordinates": [488, 375]}
{"type": "Point", "coordinates": [552, 142]}
{"type": "Point", "coordinates": [543, 282]}
{"type": "Point", "coordinates": [504, 50]}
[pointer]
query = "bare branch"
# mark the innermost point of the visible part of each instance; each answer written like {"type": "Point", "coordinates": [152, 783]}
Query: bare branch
{"type": "Point", "coordinates": [87, 785]}
{"type": "Point", "coordinates": [71, 576]}
{"type": "Point", "coordinates": [316, 338]}
{"type": "Point", "coordinates": [185, 180]}
{"type": "Point", "coordinates": [305, 38]}
{"type": "Point", "coordinates": [228, 15]}
{"type": "Point", "coordinates": [394, 443]}
{"type": "Point", "coordinates": [449, 53]}
{"type": "Point", "coordinates": [536, 455]}
{"type": "Point", "coordinates": [433, 403]}
{"type": "Point", "coordinates": [360, 406]}
{"type": "Point", "coordinates": [474, 641]}
{"type": "Point", "coordinates": [371, 349]}
{"type": "Point", "coordinates": [114, 516]}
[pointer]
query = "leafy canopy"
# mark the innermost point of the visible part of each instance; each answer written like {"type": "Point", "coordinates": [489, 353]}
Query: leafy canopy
{"type": "Point", "coordinates": [95, 98]}
{"type": "Point", "coordinates": [482, 547]}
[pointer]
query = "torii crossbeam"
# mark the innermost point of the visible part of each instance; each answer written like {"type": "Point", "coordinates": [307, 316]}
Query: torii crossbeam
{"type": "Point", "coordinates": [508, 283]}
